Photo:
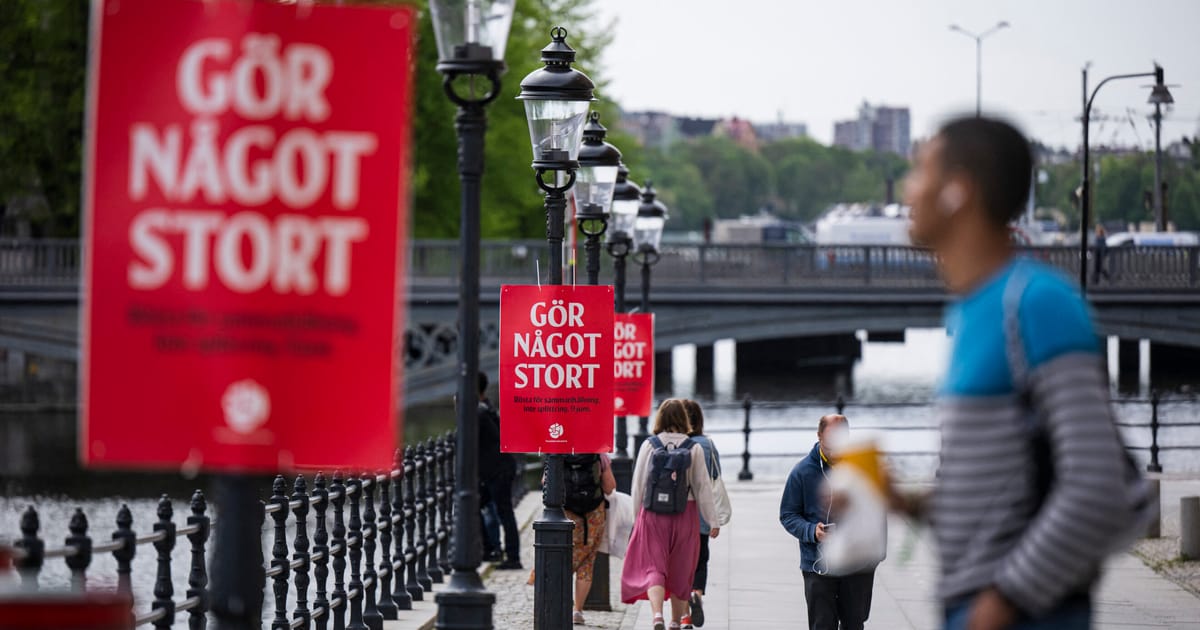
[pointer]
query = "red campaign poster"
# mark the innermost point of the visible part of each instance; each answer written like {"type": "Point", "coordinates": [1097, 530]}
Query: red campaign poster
{"type": "Point", "coordinates": [556, 374]}
{"type": "Point", "coordinates": [633, 364]}
{"type": "Point", "coordinates": [245, 209]}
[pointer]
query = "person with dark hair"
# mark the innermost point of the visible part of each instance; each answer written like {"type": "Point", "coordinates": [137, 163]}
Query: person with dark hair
{"type": "Point", "coordinates": [497, 471]}
{"type": "Point", "coordinates": [807, 513]}
{"type": "Point", "coordinates": [694, 617]}
{"type": "Point", "coordinates": [662, 554]}
{"type": "Point", "coordinates": [1024, 403]}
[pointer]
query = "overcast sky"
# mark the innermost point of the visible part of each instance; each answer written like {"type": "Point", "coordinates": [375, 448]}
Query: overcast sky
{"type": "Point", "coordinates": [815, 61]}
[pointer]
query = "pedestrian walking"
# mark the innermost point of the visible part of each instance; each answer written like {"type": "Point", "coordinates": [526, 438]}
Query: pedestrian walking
{"type": "Point", "coordinates": [672, 490]}
{"type": "Point", "coordinates": [497, 471]}
{"type": "Point", "coordinates": [694, 617]}
{"type": "Point", "coordinates": [1024, 404]}
{"type": "Point", "coordinates": [808, 513]}
{"type": "Point", "coordinates": [587, 479]}
{"type": "Point", "coordinates": [1101, 245]}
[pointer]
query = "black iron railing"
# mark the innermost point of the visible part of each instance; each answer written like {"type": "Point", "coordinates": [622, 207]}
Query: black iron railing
{"type": "Point", "coordinates": [396, 538]}
{"type": "Point", "coordinates": [1153, 425]}
{"type": "Point", "coordinates": [56, 262]}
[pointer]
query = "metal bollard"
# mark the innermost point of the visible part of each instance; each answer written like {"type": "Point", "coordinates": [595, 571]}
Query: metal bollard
{"type": "Point", "coordinates": [1189, 528]}
{"type": "Point", "coordinates": [1154, 490]}
{"type": "Point", "coordinates": [746, 475]}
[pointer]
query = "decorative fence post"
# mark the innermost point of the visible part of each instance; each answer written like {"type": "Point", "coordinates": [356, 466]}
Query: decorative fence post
{"type": "Point", "coordinates": [279, 553]}
{"type": "Point", "coordinates": [320, 551]}
{"type": "Point", "coordinates": [422, 464]}
{"type": "Point", "coordinates": [79, 561]}
{"type": "Point", "coordinates": [447, 503]}
{"type": "Point", "coordinates": [34, 548]}
{"type": "Point", "coordinates": [163, 589]}
{"type": "Point", "coordinates": [339, 552]}
{"type": "Point", "coordinates": [412, 582]}
{"type": "Point", "coordinates": [399, 594]}
{"type": "Point", "coordinates": [300, 496]}
{"type": "Point", "coordinates": [1154, 466]}
{"type": "Point", "coordinates": [124, 554]}
{"type": "Point", "coordinates": [198, 575]}
{"type": "Point", "coordinates": [387, 607]}
{"type": "Point", "coordinates": [354, 543]}
{"type": "Point", "coordinates": [433, 500]}
{"type": "Point", "coordinates": [746, 475]}
{"type": "Point", "coordinates": [371, 616]}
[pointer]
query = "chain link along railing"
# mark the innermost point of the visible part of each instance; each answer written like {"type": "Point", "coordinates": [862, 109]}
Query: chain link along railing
{"type": "Point", "coordinates": [396, 539]}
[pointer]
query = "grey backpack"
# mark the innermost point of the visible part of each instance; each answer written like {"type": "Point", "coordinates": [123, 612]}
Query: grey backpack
{"type": "Point", "coordinates": [667, 488]}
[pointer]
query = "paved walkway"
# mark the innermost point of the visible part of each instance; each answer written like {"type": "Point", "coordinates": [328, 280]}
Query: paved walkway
{"type": "Point", "coordinates": [755, 584]}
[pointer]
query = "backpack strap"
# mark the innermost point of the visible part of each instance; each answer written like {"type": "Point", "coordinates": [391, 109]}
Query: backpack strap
{"type": "Point", "coordinates": [1014, 345]}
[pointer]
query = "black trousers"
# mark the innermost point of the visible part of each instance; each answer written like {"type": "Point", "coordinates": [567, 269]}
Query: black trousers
{"type": "Point", "coordinates": [700, 582]}
{"type": "Point", "coordinates": [843, 599]}
{"type": "Point", "coordinates": [499, 490]}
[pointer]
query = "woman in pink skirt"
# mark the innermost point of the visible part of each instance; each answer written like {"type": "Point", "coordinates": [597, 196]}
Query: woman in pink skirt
{"type": "Point", "coordinates": [662, 554]}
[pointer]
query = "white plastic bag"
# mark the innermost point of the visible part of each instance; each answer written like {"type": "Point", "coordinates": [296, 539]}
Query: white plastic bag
{"type": "Point", "coordinates": [619, 524]}
{"type": "Point", "coordinates": [859, 540]}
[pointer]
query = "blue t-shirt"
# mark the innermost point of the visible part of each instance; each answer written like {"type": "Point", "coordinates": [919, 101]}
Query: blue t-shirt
{"type": "Point", "coordinates": [1054, 320]}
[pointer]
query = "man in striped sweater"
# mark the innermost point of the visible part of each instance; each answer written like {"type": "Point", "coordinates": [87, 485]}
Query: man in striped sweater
{"type": "Point", "coordinates": [1026, 501]}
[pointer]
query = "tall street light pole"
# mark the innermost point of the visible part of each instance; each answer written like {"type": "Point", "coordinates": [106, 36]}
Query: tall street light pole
{"type": "Point", "coordinates": [471, 38]}
{"type": "Point", "coordinates": [599, 166]}
{"type": "Point", "coordinates": [1159, 95]}
{"type": "Point", "coordinates": [979, 58]}
{"type": "Point", "coordinates": [1160, 218]}
{"type": "Point", "coordinates": [556, 98]}
{"type": "Point", "coordinates": [626, 198]}
{"type": "Point", "coordinates": [647, 235]}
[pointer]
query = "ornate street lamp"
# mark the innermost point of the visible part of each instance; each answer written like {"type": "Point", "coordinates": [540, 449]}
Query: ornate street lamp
{"type": "Point", "coordinates": [599, 166]}
{"type": "Point", "coordinates": [557, 98]}
{"type": "Point", "coordinates": [647, 235]}
{"type": "Point", "coordinates": [627, 196]}
{"type": "Point", "coordinates": [471, 37]}
{"type": "Point", "coordinates": [1159, 95]}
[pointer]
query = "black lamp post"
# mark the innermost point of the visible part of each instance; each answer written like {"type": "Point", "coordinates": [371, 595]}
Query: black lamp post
{"type": "Point", "coordinates": [599, 166]}
{"type": "Point", "coordinates": [647, 235]}
{"type": "Point", "coordinates": [556, 98]}
{"type": "Point", "coordinates": [1159, 95]}
{"type": "Point", "coordinates": [471, 37]}
{"type": "Point", "coordinates": [627, 196]}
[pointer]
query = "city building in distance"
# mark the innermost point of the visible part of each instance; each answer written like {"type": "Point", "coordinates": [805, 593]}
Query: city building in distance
{"type": "Point", "coordinates": [877, 128]}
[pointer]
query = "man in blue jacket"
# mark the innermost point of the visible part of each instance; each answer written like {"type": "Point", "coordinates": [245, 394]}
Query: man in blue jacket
{"type": "Point", "coordinates": [806, 513]}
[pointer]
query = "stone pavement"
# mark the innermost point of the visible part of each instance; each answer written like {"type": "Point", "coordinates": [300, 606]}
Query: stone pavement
{"type": "Point", "coordinates": [755, 584]}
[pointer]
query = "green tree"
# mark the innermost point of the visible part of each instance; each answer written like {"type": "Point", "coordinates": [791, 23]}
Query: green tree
{"type": "Point", "coordinates": [43, 49]}
{"type": "Point", "coordinates": [43, 55]}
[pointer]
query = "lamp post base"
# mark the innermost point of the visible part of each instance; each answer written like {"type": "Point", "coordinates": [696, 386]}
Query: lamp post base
{"type": "Point", "coordinates": [553, 582]}
{"type": "Point", "coordinates": [465, 604]}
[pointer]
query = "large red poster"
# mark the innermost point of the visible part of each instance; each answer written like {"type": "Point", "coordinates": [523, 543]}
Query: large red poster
{"type": "Point", "coordinates": [556, 373]}
{"type": "Point", "coordinates": [633, 364]}
{"type": "Point", "coordinates": [245, 211]}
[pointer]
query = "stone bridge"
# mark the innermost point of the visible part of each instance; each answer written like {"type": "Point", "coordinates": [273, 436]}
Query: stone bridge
{"type": "Point", "coordinates": [701, 293]}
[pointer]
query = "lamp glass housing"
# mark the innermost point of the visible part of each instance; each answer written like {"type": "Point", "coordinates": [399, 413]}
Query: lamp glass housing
{"type": "Point", "coordinates": [624, 216]}
{"type": "Point", "coordinates": [556, 128]}
{"type": "Point", "coordinates": [648, 231]}
{"type": "Point", "coordinates": [471, 29]}
{"type": "Point", "coordinates": [594, 185]}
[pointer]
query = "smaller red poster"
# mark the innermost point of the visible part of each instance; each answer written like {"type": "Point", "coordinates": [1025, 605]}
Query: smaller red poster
{"type": "Point", "coordinates": [556, 369]}
{"type": "Point", "coordinates": [633, 364]}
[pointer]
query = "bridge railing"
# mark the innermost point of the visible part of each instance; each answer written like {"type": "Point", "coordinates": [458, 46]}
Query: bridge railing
{"type": "Point", "coordinates": [407, 510]}
{"type": "Point", "coordinates": [39, 261]}
{"type": "Point", "coordinates": [1151, 425]}
{"type": "Point", "coordinates": [51, 262]}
